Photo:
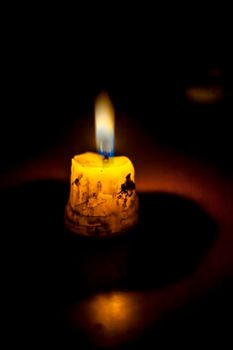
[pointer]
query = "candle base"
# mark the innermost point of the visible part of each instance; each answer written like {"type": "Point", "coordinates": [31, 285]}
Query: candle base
{"type": "Point", "coordinates": [102, 226]}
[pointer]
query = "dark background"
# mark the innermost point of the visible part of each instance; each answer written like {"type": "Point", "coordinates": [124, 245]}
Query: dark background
{"type": "Point", "coordinates": [52, 72]}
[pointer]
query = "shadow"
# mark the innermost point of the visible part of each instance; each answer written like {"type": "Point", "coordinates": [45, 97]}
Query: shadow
{"type": "Point", "coordinates": [171, 237]}
{"type": "Point", "coordinates": [175, 233]}
{"type": "Point", "coordinates": [47, 268]}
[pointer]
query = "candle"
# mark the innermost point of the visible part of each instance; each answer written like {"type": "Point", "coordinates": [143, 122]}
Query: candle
{"type": "Point", "coordinates": [102, 201]}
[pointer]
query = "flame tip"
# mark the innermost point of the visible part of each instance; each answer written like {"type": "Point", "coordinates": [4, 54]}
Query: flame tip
{"type": "Point", "coordinates": [104, 124]}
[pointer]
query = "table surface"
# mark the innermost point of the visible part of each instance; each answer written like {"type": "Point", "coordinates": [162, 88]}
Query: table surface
{"type": "Point", "coordinates": [167, 281]}
{"type": "Point", "coordinates": [136, 288]}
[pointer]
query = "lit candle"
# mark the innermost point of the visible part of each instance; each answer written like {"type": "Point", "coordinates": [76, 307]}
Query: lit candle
{"type": "Point", "coordinates": [102, 198]}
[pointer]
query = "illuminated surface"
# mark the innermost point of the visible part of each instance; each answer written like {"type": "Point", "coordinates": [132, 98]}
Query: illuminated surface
{"type": "Point", "coordinates": [157, 170]}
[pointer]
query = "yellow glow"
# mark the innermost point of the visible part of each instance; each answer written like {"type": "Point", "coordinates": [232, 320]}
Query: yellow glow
{"type": "Point", "coordinates": [202, 94]}
{"type": "Point", "coordinates": [104, 125]}
{"type": "Point", "coordinates": [115, 311]}
{"type": "Point", "coordinates": [109, 319]}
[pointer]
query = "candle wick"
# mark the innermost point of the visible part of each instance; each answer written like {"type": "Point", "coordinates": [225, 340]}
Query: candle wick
{"type": "Point", "coordinates": [106, 157]}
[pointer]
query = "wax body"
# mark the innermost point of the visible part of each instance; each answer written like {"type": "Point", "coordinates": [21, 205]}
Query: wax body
{"type": "Point", "coordinates": [102, 195]}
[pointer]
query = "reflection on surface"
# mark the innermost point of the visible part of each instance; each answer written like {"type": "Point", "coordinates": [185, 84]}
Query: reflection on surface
{"type": "Point", "coordinates": [204, 94]}
{"type": "Point", "coordinates": [108, 318]}
{"type": "Point", "coordinates": [114, 312]}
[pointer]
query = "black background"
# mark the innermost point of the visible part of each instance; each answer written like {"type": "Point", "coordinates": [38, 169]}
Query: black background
{"type": "Point", "coordinates": [53, 69]}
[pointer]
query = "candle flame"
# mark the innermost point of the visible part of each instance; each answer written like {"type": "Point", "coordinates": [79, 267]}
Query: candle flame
{"type": "Point", "coordinates": [104, 125]}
